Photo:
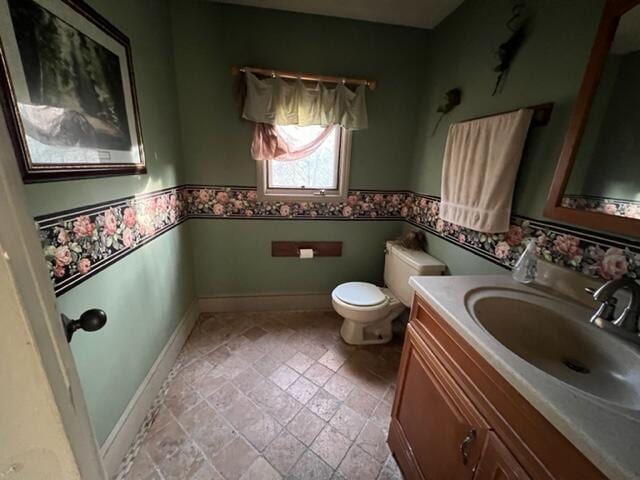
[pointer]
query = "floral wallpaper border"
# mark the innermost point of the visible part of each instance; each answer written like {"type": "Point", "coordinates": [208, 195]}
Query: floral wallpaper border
{"type": "Point", "coordinates": [610, 206]}
{"type": "Point", "coordinates": [590, 253]}
{"type": "Point", "coordinates": [79, 243]}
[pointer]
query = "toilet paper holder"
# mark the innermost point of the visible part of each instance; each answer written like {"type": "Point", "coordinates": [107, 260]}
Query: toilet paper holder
{"type": "Point", "coordinates": [292, 248]}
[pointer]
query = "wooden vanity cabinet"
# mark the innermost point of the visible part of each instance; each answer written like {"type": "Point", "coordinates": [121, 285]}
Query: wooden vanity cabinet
{"type": "Point", "coordinates": [455, 418]}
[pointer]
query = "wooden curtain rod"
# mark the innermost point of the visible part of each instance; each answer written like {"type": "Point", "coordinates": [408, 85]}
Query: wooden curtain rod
{"type": "Point", "coordinates": [541, 114]}
{"type": "Point", "coordinates": [304, 76]}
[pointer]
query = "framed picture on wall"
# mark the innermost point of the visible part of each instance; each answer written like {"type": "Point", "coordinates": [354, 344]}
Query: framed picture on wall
{"type": "Point", "coordinates": [68, 91]}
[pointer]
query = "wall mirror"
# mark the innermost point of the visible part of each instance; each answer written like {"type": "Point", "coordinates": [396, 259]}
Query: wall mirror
{"type": "Point", "coordinates": [597, 180]}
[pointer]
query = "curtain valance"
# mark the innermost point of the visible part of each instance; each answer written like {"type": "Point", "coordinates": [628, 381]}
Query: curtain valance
{"type": "Point", "coordinates": [275, 101]}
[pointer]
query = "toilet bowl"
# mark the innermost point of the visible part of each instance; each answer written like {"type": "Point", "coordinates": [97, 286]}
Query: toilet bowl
{"type": "Point", "coordinates": [368, 310]}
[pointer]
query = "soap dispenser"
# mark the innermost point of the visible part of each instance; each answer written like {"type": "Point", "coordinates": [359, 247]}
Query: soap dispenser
{"type": "Point", "coordinates": [527, 265]}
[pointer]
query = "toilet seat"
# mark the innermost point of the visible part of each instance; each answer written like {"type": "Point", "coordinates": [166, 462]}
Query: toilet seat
{"type": "Point", "coordinates": [360, 295]}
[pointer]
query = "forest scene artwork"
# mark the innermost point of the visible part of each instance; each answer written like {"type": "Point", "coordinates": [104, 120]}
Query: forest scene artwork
{"type": "Point", "coordinates": [72, 93]}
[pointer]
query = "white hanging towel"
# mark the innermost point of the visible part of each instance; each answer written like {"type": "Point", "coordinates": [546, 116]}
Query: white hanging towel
{"type": "Point", "coordinates": [481, 160]}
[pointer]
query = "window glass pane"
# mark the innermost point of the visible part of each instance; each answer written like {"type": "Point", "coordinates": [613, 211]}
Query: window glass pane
{"type": "Point", "coordinates": [316, 171]}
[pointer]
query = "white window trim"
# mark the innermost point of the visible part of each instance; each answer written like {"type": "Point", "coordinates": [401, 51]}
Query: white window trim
{"type": "Point", "coordinates": [307, 195]}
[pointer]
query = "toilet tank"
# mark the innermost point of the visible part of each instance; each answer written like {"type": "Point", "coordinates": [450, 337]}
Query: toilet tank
{"type": "Point", "coordinates": [401, 263]}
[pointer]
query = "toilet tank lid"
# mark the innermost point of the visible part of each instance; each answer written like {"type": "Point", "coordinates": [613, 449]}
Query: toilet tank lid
{"type": "Point", "coordinates": [421, 261]}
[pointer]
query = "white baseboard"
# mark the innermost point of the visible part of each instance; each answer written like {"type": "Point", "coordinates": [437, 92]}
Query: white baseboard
{"type": "Point", "coordinates": [265, 302]}
{"type": "Point", "coordinates": [119, 440]}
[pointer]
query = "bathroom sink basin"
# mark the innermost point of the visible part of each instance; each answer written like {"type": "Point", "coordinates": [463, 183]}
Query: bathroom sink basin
{"type": "Point", "coordinates": [557, 338]}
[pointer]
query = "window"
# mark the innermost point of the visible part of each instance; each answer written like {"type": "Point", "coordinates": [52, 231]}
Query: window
{"type": "Point", "coordinates": [320, 176]}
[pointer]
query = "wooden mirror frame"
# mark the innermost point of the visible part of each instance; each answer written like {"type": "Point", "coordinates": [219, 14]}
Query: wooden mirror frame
{"type": "Point", "coordinates": [613, 10]}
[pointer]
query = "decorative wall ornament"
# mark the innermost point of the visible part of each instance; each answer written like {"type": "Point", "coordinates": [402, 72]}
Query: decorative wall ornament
{"type": "Point", "coordinates": [80, 242]}
{"type": "Point", "coordinates": [451, 100]}
{"type": "Point", "coordinates": [508, 50]}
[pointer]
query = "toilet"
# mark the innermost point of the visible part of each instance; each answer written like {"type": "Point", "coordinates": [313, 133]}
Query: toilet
{"type": "Point", "coordinates": [367, 309]}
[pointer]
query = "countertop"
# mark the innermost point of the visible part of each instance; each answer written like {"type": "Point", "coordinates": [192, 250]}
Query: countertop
{"type": "Point", "coordinates": [608, 435]}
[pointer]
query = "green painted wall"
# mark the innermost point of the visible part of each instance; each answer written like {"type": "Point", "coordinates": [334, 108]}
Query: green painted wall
{"type": "Point", "coordinates": [234, 256]}
{"type": "Point", "coordinates": [211, 37]}
{"type": "Point", "coordinates": [146, 293]}
{"type": "Point", "coordinates": [549, 68]}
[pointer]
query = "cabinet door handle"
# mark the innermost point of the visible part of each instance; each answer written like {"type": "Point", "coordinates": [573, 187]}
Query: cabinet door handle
{"type": "Point", "coordinates": [465, 444]}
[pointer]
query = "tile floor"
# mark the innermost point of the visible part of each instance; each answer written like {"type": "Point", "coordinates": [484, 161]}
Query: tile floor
{"type": "Point", "coordinates": [272, 395]}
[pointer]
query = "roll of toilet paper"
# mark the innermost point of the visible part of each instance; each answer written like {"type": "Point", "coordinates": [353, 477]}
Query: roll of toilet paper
{"type": "Point", "coordinates": [306, 253]}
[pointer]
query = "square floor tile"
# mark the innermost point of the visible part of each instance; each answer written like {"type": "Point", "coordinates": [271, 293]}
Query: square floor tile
{"type": "Point", "coordinates": [233, 366]}
{"type": "Point", "coordinates": [312, 350]}
{"type": "Point", "coordinates": [267, 364]}
{"type": "Point", "coordinates": [237, 343]}
{"type": "Point", "coordinates": [284, 376]}
{"type": "Point", "coordinates": [302, 390]}
{"type": "Point", "coordinates": [359, 464]}
{"type": "Point", "coordinates": [300, 362]}
{"type": "Point", "coordinates": [348, 422]}
{"type": "Point", "coordinates": [217, 356]}
{"type": "Point", "coordinates": [332, 360]}
{"type": "Point", "coordinates": [248, 380]}
{"type": "Point", "coordinates": [224, 397]}
{"type": "Point", "coordinates": [173, 452]}
{"type": "Point", "coordinates": [390, 471]}
{"type": "Point", "coordinates": [284, 452]}
{"type": "Point", "coordinates": [243, 412]}
{"type": "Point", "coordinates": [311, 467]}
{"type": "Point", "coordinates": [189, 373]}
{"type": "Point", "coordinates": [260, 469]}
{"type": "Point", "coordinates": [207, 429]}
{"type": "Point", "coordinates": [235, 459]}
{"type": "Point", "coordinates": [181, 398]}
{"type": "Point", "coordinates": [209, 382]}
{"type": "Point", "coordinates": [283, 352]}
{"type": "Point", "coordinates": [323, 404]}
{"type": "Point", "coordinates": [382, 415]}
{"type": "Point", "coordinates": [331, 446]}
{"type": "Point", "coordinates": [282, 406]}
{"type": "Point", "coordinates": [318, 374]}
{"type": "Point", "coordinates": [372, 384]}
{"type": "Point", "coordinates": [373, 440]}
{"type": "Point", "coordinates": [255, 333]}
{"type": "Point", "coordinates": [361, 402]}
{"type": "Point", "coordinates": [305, 426]}
{"type": "Point", "coordinates": [262, 431]}
{"type": "Point", "coordinates": [339, 387]}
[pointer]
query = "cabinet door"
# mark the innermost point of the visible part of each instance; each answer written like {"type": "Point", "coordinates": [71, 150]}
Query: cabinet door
{"type": "Point", "coordinates": [443, 432]}
{"type": "Point", "coordinates": [497, 463]}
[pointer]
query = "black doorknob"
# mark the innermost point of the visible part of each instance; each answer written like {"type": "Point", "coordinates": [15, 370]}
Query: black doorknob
{"type": "Point", "coordinates": [90, 321]}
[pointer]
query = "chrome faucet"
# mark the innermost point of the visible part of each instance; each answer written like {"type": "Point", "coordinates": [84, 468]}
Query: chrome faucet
{"type": "Point", "coordinates": [626, 325]}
